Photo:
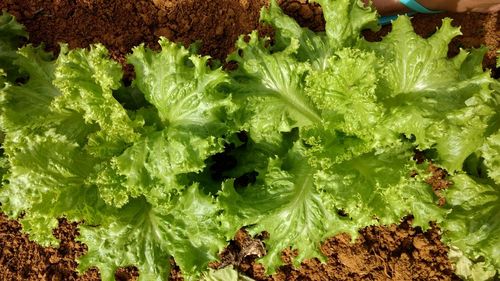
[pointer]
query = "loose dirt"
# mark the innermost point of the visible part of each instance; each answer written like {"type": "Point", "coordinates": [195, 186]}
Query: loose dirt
{"type": "Point", "coordinates": [123, 24]}
{"type": "Point", "coordinates": [380, 253]}
{"type": "Point", "coordinates": [21, 259]}
{"type": "Point", "coordinates": [395, 252]}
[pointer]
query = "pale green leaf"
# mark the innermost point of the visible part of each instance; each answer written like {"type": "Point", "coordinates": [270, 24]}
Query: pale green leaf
{"type": "Point", "coordinates": [139, 234]}
{"type": "Point", "coordinates": [468, 270]}
{"type": "Point", "coordinates": [182, 87]}
{"type": "Point", "coordinates": [491, 153]}
{"type": "Point", "coordinates": [225, 274]}
{"type": "Point", "coordinates": [11, 33]}
{"type": "Point", "coordinates": [473, 226]}
{"type": "Point", "coordinates": [345, 19]}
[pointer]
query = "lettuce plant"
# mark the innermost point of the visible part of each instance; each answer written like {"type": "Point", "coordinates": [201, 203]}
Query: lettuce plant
{"type": "Point", "coordinates": [312, 135]}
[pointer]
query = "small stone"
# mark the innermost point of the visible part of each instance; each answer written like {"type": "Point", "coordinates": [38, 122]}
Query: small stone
{"type": "Point", "coordinates": [419, 242]}
{"type": "Point", "coordinates": [165, 32]}
{"type": "Point", "coordinates": [54, 259]}
{"type": "Point", "coordinates": [219, 30]}
{"type": "Point", "coordinates": [245, 4]}
{"type": "Point", "coordinates": [158, 3]}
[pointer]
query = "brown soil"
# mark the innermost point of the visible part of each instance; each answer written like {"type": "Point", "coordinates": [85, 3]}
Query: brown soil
{"type": "Point", "coordinates": [123, 24]}
{"type": "Point", "coordinates": [21, 259]}
{"type": "Point", "coordinates": [381, 253]}
{"type": "Point", "coordinates": [439, 182]}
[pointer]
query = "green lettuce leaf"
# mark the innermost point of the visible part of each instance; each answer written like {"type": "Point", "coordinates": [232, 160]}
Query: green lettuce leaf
{"type": "Point", "coordinates": [225, 274]}
{"type": "Point", "coordinates": [473, 226]}
{"type": "Point", "coordinates": [286, 202]}
{"type": "Point", "coordinates": [445, 104]}
{"type": "Point", "coordinates": [31, 100]}
{"type": "Point", "coordinates": [491, 153]}
{"type": "Point", "coordinates": [87, 80]}
{"type": "Point", "coordinates": [144, 236]}
{"type": "Point", "coordinates": [349, 103]}
{"type": "Point", "coordinates": [344, 22]}
{"type": "Point", "coordinates": [79, 139]}
{"type": "Point", "coordinates": [11, 33]}
{"type": "Point", "coordinates": [192, 118]}
{"type": "Point", "coordinates": [345, 19]}
{"type": "Point", "coordinates": [48, 169]}
{"type": "Point", "coordinates": [270, 87]}
{"type": "Point", "coordinates": [182, 87]}
{"type": "Point", "coordinates": [311, 46]}
{"type": "Point", "coordinates": [360, 109]}
{"type": "Point", "coordinates": [153, 165]}
{"type": "Point", "coordinates": [318, 131]}
{"type": "Point", "coordinates": [300, 203]}
{"type": "Point", "coordinates": [46, 186]}
{"type": "Point", "coordinates": [468, 270]}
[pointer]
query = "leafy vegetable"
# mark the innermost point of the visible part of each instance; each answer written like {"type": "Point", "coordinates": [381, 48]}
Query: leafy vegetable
{"type": "Point", "coordinates": [75, 151]}
{"type": "Point", "coordinates": [225, 274]}
{"type": "Point", "coordinates": [10, 34]}
{"type": "Point", "coordinates": [467, 270]}
{"type": "Point", "coordinates": [309, 137]}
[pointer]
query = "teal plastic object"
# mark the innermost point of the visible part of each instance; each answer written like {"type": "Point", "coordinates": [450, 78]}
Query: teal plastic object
{"type": "Point", "coordinates": [412, 5]}
{"type": "Point", "coordinates": [415, 6]}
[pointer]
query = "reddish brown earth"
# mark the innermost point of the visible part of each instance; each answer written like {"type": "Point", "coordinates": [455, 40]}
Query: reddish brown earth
{"type": "Point", "coordinates": [21, 259]}
{"type": "Point", "coordinates": [381, 253]}
{"type": "Point", "coordinates": [123, 24]}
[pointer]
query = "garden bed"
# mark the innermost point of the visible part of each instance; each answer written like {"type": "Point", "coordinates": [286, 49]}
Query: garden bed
{"type": "Point", "coordinates": [381, 253]}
